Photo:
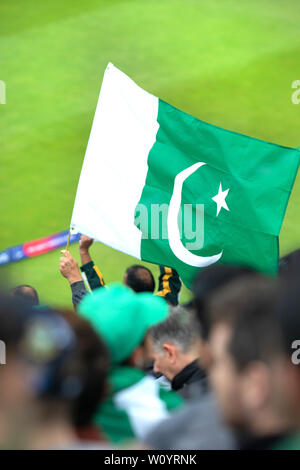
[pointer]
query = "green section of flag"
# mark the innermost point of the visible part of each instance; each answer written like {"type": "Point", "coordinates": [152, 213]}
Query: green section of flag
{"type": "Point", "coordinates": [115, 422]}
{"type": "Point", "coordinates": [111, 420]}
{"type": "Point", "coordinates": [258, 174]}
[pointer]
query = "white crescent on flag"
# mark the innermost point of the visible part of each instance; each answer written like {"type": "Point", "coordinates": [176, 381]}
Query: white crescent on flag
{"type": "Point", "coordinates": [173, 230]}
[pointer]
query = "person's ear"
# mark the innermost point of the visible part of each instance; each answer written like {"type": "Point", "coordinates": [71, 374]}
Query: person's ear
{"type": "Point", "coordinates": [170, 351]}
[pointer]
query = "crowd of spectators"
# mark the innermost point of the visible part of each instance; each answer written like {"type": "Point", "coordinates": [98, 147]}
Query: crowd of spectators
{"type": "Point", "coordinates": [131, 367]}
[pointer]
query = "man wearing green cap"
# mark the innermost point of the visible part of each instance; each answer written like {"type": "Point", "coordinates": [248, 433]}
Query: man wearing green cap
{"type": "Point", "coordinates": [135, 402]}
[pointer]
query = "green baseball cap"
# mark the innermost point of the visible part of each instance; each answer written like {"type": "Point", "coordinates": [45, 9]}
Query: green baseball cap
{"type": "Point", "coordinates": [122, 317]}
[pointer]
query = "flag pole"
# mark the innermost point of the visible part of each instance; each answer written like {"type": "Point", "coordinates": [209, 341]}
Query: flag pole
{"type": "Point", "coordinates": [68, 242]}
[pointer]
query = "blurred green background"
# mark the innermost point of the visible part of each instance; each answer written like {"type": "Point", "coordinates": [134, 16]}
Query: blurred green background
{"type": "Point", "coordinates": [228, 62]}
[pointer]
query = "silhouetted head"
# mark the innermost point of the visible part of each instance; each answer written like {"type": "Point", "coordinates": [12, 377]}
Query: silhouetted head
{"type": "Point", "coordinates": [26, 293]}
{"type": "Point", "coordinates": [289, 266]}
{"type": "Point", "coordinates": [210, 280]}
{"type": "Point", "coordinates": [139, 279]}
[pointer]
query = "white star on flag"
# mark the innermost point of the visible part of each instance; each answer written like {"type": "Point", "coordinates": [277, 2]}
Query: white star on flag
{"type": "Point", "coordinates": [219, 199]}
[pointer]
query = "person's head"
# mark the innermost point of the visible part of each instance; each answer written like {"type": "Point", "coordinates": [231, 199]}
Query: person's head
{"type": "Point", "coordinates": [289, 266]}
{"type": "Point", "coordinates": [207, 282]}
{"type": "Point", "coordinates": [71, 364]}
{"type": "Point", "coordinates": [26, 294]}
{"type": "Point", "coordinates": [75, 367]}
{"type": "Point", "coordinates": [139, 279]}
{"type": "Point", "coordinates": [174, 343]}
{"type": "Point", "coordinates": [122, 318]}
{"type": "Point", "coordinates": [246, 347]}
{"type": "Point", "coordinates": [287, 311]}
{"type": "Point", "coordinates": [92, 358]}
{"type": "Point", "coordinates": [15, 372]}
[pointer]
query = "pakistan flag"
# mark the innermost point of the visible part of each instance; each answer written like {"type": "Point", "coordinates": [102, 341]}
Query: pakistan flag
{"type": "Point", "coordinates": [167, 188]}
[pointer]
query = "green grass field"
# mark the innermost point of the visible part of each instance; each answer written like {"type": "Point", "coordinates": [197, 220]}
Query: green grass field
{"type": "Point", "coordinates": [228, 62]}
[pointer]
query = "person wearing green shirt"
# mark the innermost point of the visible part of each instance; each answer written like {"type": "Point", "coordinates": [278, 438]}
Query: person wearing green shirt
{"type": "Point", "coordinates": [135, 400]}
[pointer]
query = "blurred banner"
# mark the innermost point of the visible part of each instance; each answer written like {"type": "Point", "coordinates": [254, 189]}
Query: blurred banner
{"type": "Point", "coordinates": [37, 247]}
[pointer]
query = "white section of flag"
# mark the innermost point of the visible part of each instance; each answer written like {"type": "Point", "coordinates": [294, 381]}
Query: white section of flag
{"type": "Point", "coordinates": [115, 164]}
{"type": "Point", "coordinates": [143, 405]}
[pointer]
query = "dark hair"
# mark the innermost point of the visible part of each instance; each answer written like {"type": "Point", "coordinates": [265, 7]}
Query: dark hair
{"type": "Point", "coordinates": [248, 306]}
{"type": "Point", "coordinates": [287, 312]}
{"type": "Point", "coordinates": [93, 356]}
{"type": "Point", "coordinates": [140, 278]}
{"type": "Point", "coordinates": [26, 293]}
{"type": "Point", "coordinates": [13, 317]}
{"type": "Point", "coordinates": [73, 366]}
{"type": "Point", "coordinates": [207, 282]}
{"type": "Point", "coordinates": [289, 266]}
